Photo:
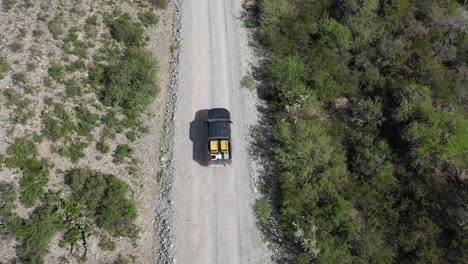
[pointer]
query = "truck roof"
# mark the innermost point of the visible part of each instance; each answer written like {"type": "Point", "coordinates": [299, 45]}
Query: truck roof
{"type": "Point", "coordinates": [216, 114]}
{"type": "Point", "coordinates": [219, 129]}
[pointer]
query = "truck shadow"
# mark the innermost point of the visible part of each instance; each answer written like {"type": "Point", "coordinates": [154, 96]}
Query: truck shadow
{"type": "Point", "coordinates": [198, 137]}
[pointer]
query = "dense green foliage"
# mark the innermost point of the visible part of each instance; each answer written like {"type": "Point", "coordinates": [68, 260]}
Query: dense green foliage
{"type": "Point", "coordinates": [125, 30]}
{"type": "Point", "coordinates": [127, 79]}
{"type": "Point", "coordinates": [103, 197]}
{"type": "Point", "coordinates": [20, 152]}
{"type": "Point", "coordinates": [35, 177]}
{"type": "Point", "coordinates": [369, 116]}
{"type": "Point", "coordinates": [122, 152]}
{"type": "Point", "coordinates": [131, 83]}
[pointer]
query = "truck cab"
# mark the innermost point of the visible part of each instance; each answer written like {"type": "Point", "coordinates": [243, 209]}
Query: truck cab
{"type": "Point", "coordinates": [219, 137]}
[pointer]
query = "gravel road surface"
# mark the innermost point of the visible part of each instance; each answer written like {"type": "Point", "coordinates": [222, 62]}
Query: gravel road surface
{"type": "Point", "coordinates": [212, 218]}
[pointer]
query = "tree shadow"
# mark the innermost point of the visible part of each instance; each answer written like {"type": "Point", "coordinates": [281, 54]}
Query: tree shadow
{"type": "Point", "coordinates": [198, 135]}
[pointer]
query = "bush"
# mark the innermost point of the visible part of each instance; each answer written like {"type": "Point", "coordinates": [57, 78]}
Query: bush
{"type": "Point", "coordinates": [125, 30]}
{"type": "Point", "coordinates": [103, 197]}
{"type": "Point", "coordinates": [107, 244]}
{"type": "Point", "coordinates": [19, 77]}
{"type": "Point", "coordinates": [7, 206]}
{"type": "Point", "coordinates": [58, 123]}
{"type": "Point", "coordinates": [57, 72]}
{"type": "Point", "coordinates": [74, 150]}
{"type": "Point", "coordinates": [87, 120]}
{"type": "Point", "coordinates": [102, 146]}
{"type": "Point", "coordinates": [8, 4]}
{"type": "Point", "coordinates": [20, 153]}
{"type": "Point", "coordinates": [15, 46]}
{"type": "Point", "coordinates": [76, 66]}
{"type": "Point", "coordinates": [248, 82]}
{"type": "Point", "coordinates": [159, 3]}
{"type": "Point", "coordinates": [56, 27]}
{"type": "Point", "coordinates": [35, 177]}
{"type": "Point", "coordinates": [110, 119]}
{"type": "Point", "coordinates": [36, 232]}
{"type": "Point", "coordinates": [263, 211]}
{"type": "Point", "coordinates": [4, 66]}
{"type": "Point", "coordinates": [73, 88]}
{"type": "Point", "coordinates": [148, 18]}
{"type": "Point", "coordinates": [121, 152]}
{"type": "Point", "coordinates": [131, 83]}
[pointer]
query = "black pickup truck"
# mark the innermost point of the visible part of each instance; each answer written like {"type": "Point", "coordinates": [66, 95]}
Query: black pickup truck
{"type": "Point", "coordinates": [219, 137]}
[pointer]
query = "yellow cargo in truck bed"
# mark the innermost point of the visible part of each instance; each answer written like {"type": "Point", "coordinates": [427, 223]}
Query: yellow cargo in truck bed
{"type": "Point", "coordinates": [213, 146]}
{"type": "Point", "coordinates": [224, 145]}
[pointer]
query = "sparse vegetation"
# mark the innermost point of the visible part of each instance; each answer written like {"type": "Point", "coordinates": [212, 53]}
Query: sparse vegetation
{"type": "Point", "coordinates": [248, 82]}
{"type": "Point", "coordinates": [107, 244]}
{"type": "Point", "coordinates": [102, 146]}
{"type": "Point", "coordinates": [56, 27]}
{"type": "Point", "coordinates": [87, 121]}
{"type": "Point", "coordinates": [122, 152]}
{"type": "Point", "coordinates": [7, 5]}
{"type": "Point", "coordinates": [159, 3]}
{"type": "Point", "coordinates": [35, 177]}
{"type": "Point", "coordinates": [57, 72]}
{"type": "Point", "coordinates": [19, 77]}
{"type": "Point", "coordinates": [148, 18]}
{"type": "Point", "coordinates": [263, 211]}
{"type": "Point", "coordinates": [75, 110]}
{"type": "Point", "coordinates": [74, 150]}
{"type": "Point", "coordinates": [20, 153]}
{"type": "Point", "coordinates": [15, 46]}
{"type": "Point", "coordinates": [4, 66]}
{"type": "Point", "coordinates": [105, 198]}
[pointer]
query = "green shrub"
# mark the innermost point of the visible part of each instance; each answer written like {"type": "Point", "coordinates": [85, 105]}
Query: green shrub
{"type": "Point", "coordinates": [57, 72]}
{"type": "Point", "coordinates": [148, 18]}
{"type": "Point", "coordinates": [4, 66]}
{"type": "Point", "coordinates": [20, 153]}
{"type": "Point", "coordinates": [31, 67]}
{"type": "Point", "coordinates": [35, 233]}
{"type": "Point", "coordinates": [71, 236]}
{"type": "Point", "coordinates": [73, 88]}
{"type": "Point", "coordinates": [110, 119]}
{"type": "Point", "coordinates": [8, 4]}
{"type": "Point", "coordinates": [16, 98]}
{"type": "Point", "coordinates": [35, 177]}
{"type": "Point", "coordinates": [248, 82]}
{"type": "Point", "coordinates": [121, 152]}
{"type": "Point", "coordinates": [57, 123]}
{"type": "Point", "coordinates": [74, 150]}
{"type": "Point", "coordinates": [19, 77]}
{"type": "Point", "coordinates": [104, 198]}
{"type": "Point", "coordinates": [15, 46]}
{"type": "Point", "coordinates": [263, 212]}
{"type": "Point", "coordinates": [21, 116]}
{"type": "Point", "coordinates": [159, 3]}
{"type": "Point", "coordinates": [131, 83]}
{"type": "Point", "coordinates": [7, 206]}
{"type": "Point", "coordinates": [87, 121]}
{"type": "Point", "coordinates": [125, 30]}
{"type": "Point", "coordinates": [102, 146]}
{"type": "Point", "coordinates": [132, 135]}
{"type": "Point", "coordinates": [107, 244]}
{"type": "Point", "coordinates": [56, 27]}
{"type": "Point", "coordinates": [76, 66]}
{"type": "Point", "coordinates": [37, 33]}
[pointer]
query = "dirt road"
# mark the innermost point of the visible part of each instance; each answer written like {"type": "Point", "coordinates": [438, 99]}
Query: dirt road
{"type": "Point", "coordinates": [212, 217]}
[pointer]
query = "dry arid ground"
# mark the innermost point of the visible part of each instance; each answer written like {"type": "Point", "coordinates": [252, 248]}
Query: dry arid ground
{"type": "Point", "coordinates": [51, 104]}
